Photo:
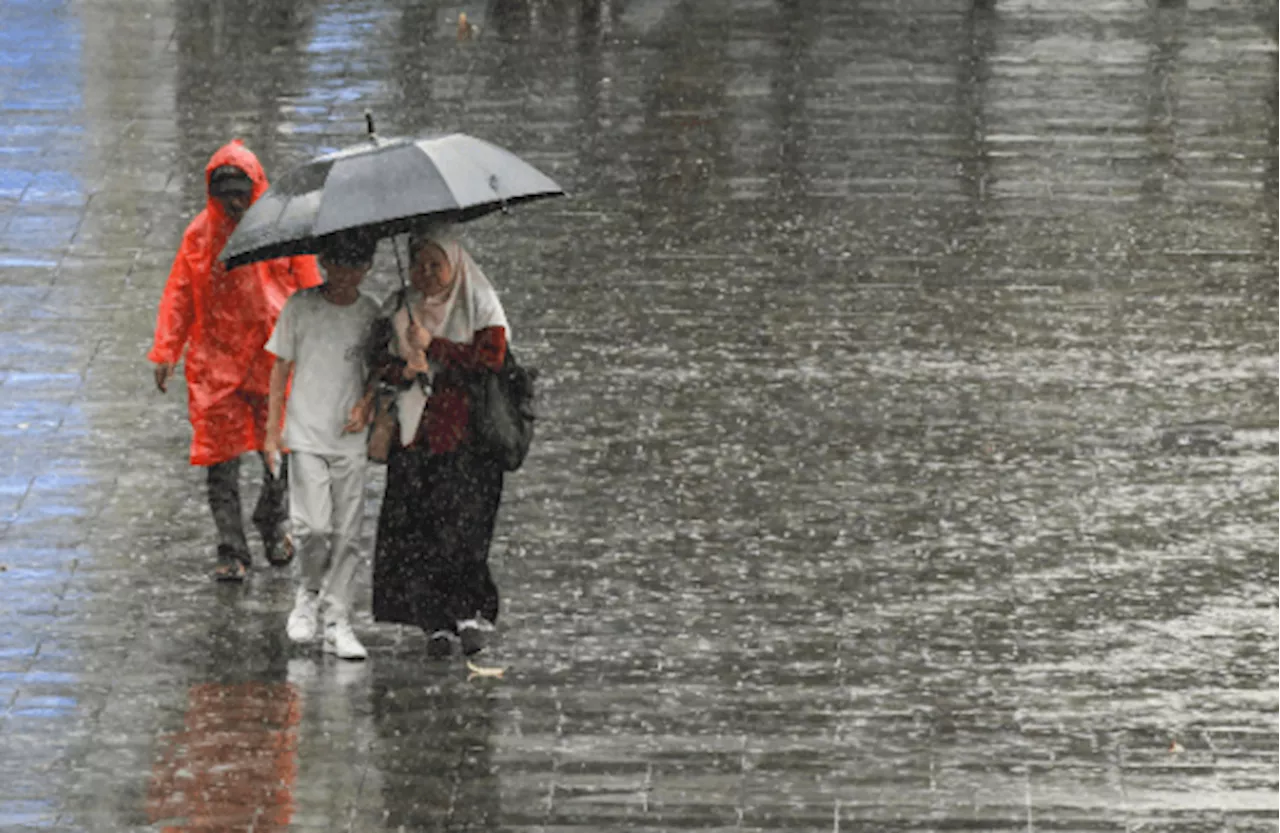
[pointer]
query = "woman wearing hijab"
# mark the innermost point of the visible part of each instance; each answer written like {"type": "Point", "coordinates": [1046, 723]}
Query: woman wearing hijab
{"type": "Point", "coordinates": [431, 560]}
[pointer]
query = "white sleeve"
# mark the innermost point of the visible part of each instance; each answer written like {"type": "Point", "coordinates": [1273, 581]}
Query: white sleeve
{"type": "Point", "coordinates": [489, 312]}
{"type": "Point", "coordinates": [282, 342]}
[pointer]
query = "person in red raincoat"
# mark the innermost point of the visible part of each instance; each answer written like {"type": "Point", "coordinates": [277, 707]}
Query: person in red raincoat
{"type": "Point", "coordinates": [222, 319]}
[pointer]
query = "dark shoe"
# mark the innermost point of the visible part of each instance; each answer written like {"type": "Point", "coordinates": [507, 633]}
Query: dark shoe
{"type": "Point", "coordinates": [440, 645]}
{"type": "Point", "coordinates": [278, 548]}
{"type": "Point", "coordinates": [232, 565]}
{"type": "Point", "coordinates": [471, 637]}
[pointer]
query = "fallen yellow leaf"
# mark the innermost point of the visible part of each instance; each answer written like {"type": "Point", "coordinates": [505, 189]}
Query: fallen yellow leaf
{"type": "Point", "coordinates": [482, 671]}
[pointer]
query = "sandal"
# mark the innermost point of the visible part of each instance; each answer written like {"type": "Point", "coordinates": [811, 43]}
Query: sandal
{"type": "Point", "coordinates": [231, 566]}
{"type": "Point", "coordinates": [230, 571]}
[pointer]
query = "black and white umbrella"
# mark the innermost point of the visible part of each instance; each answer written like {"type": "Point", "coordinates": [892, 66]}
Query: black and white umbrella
{"type": "Point", "coordinates": [384, 185]}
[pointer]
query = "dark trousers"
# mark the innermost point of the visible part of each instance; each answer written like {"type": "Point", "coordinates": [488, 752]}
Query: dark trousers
{"type": "Point", "coordinates": [431, 559]}
{"type": "Point", "coordinates": [269, 516]}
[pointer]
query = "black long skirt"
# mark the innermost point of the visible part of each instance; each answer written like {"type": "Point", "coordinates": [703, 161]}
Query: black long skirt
{"type": "Point", "coordinates": [431, 558]}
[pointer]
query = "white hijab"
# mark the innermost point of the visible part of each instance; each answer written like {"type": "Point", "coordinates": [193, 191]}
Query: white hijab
{"type": "Point", "coordinates": [470, 305]}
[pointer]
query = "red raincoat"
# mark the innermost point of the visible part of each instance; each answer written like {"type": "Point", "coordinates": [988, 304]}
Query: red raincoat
{"type": "Point", "coordinates": [223, 318]}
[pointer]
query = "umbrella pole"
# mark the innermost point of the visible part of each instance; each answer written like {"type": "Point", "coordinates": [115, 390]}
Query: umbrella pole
{"type": "Point", "coordinates": [423, 379]}
{"type": "Point", "coordinates": [404, 286]}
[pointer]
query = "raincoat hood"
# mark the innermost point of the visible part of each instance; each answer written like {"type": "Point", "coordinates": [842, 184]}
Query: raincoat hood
{"type": "Point", "coordinates": [212, 226]}
{"type": "Point", "coordinates": [235, 154]}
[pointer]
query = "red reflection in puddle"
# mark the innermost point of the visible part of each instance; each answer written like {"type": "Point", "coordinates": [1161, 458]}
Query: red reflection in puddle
{"type": "Point", "coordinates": [233, 766]}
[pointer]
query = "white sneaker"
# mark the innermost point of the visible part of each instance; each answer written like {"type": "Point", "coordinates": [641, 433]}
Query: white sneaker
{"type": "Point", "coordinates": [304, 617]}
{"type": "Point", "coordinates": [341, 641]}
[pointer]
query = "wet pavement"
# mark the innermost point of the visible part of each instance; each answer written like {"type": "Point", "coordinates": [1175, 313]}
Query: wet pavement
{"type": "Point", "coordinates": [908, 457]}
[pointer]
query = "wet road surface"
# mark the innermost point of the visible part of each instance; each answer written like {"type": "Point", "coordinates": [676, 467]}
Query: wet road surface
{"type": "Point", "coordinates": [908, 457]}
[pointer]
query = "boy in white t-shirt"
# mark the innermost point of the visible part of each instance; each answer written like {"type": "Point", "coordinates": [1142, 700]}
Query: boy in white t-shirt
{"type": "Point", "coordinates": [319, 339]}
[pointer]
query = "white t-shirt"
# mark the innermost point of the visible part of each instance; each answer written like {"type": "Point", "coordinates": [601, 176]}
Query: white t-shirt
{"type": "Point", "coordinates": [326, 343]}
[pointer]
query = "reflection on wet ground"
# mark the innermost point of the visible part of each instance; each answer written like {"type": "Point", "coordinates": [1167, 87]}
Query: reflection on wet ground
{"type": "Point", "coordinates": [908, 457]}
{"type": "Point", "coordinates": [234, 764]}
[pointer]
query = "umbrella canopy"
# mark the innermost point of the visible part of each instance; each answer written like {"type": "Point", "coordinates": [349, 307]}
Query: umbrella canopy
{"type": "Point", "coordinates": [384, 185]}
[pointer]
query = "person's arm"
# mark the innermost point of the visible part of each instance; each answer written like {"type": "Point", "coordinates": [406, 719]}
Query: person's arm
{"type": "Point", "coordinates": [281, 345]}
{"type": "Point", "coordinates": [362, 412]}
{"type": "Point", "coordinates": [280, 374]}
{"type": "Point", "coordinates": [173, 321]}
{"type": "Point", "coordinates": [487, 348]}
{"type": "Point", "coordinates": [383, 363]}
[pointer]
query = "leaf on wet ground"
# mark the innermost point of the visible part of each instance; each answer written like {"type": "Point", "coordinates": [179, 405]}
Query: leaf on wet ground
{"type": "Point", "coordinates": [482, 671]}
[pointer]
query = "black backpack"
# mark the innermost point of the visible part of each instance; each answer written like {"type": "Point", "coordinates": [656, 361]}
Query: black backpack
{"type": "Point", "coordinates": [502, 414]}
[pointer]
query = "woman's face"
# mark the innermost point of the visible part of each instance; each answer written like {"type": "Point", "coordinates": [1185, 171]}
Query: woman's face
{"type": "Point", "coordinates": [430, 272]}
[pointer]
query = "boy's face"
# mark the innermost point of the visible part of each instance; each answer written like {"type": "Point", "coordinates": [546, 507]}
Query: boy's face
{"type": "Point", "coordinates": [235, 205]}
{"type": "Point", "coordinates": [233, 189]}
{"type": "Point", "coordinates": [344, 275]}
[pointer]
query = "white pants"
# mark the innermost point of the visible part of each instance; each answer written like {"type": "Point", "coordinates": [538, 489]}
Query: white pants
{"type": "Point", "coordinates": [326, 508]}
